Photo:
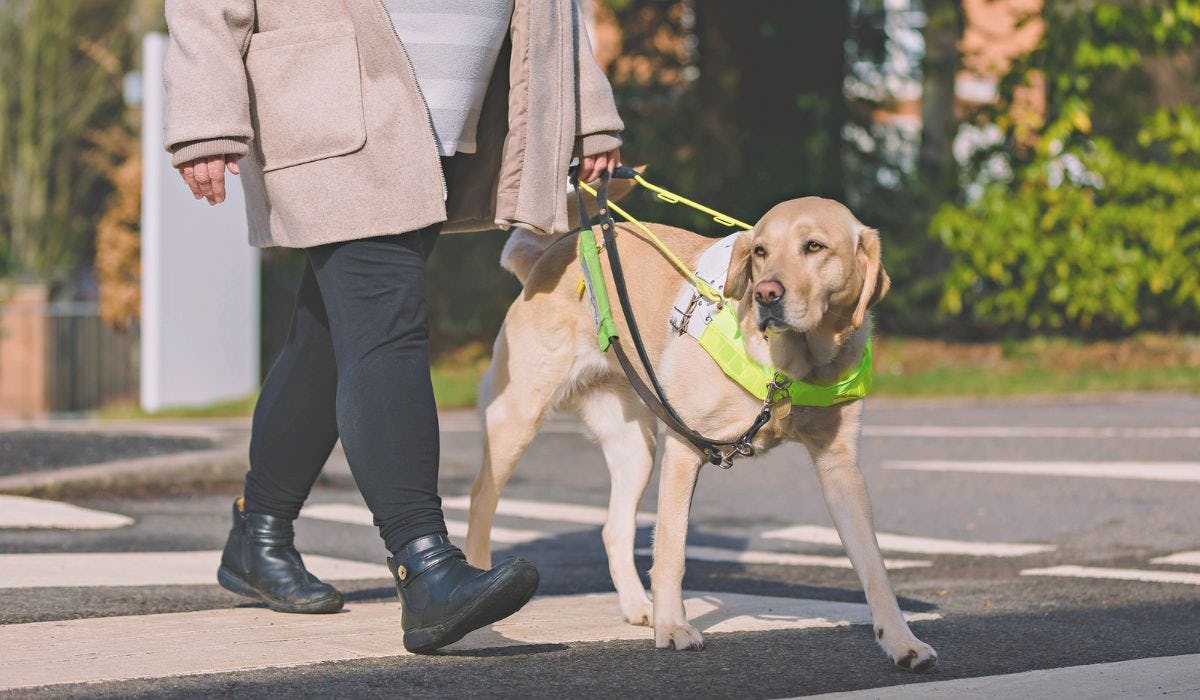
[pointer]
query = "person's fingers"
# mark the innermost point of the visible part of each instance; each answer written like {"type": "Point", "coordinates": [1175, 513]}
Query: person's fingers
{"type": "Point", "coordinates": [601, 166]}
{"type": "Point", "coordinates": [614, 160]}
{"type": "Point", "coordinates": [203, 180]}
{"type": "Point", "coordinates": [585, 168]}
{"type": "Point", "coordinates": [187, 172]}
{"type": "Point", "coordinates": [233, 164]}
{"type": "Point", "coordinates": [216, 173]}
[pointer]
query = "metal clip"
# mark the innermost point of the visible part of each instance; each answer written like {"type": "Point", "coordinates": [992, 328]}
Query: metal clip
{"type": "Point", "coordinates": [686, 319]}
{"type": "Point", "coordinates": [778, 387]}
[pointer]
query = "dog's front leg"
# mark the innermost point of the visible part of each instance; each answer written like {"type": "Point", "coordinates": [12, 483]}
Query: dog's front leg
{"type": "Point", "coordinates": [846, 496]}
{"type": "Point", "coordinates": [680, 467]}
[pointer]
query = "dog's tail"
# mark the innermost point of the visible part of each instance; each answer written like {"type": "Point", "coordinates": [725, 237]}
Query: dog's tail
{"type": "Point", "coordinates": [524, 248]}
{"type": "Point", "coordinates": [522, 251]}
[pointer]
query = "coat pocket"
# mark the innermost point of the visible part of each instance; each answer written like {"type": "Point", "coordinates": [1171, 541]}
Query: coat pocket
{"type": "Point", "coordinates": [305, 94]}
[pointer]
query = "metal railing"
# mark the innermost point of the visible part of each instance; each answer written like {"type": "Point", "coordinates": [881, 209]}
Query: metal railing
{"type": "Point", "coordinates": [88, 362]}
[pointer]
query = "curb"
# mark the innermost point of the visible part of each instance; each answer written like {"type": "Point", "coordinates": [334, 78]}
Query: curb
{"type": "Point", "coordinates": [181, 468]}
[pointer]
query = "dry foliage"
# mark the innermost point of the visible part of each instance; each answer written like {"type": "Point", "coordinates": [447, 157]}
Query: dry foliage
{"type": "Point", "coordinates": [118, 242]}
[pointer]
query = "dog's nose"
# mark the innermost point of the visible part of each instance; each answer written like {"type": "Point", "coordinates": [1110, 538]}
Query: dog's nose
{"type": "Point", "coordinates": [768, 292]}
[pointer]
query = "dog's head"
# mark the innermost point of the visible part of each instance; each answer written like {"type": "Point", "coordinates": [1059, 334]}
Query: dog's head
{"type": "Point", "coordinates": [808, 262]}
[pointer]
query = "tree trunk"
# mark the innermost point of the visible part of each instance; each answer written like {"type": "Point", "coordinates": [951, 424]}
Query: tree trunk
{"type": "Point", "coordinates": [943, 31]}
{"type": "Point", "coordinates": [772, 107]}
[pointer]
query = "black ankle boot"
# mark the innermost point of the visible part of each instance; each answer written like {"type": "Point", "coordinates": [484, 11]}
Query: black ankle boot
{"type": "Point", "coordinates": [259, 561]}
{"type": "Point", "coordinates": [444, 597]}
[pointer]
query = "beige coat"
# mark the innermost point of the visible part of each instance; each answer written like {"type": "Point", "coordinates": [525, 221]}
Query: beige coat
{"type": "Point", "coordinates": [321, 100]}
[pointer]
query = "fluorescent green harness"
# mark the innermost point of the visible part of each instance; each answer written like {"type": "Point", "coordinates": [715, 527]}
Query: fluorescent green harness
{"type": "Point", "coordinates": [722, 338]}
{"type": "Point", "coordinates": [725, 344]}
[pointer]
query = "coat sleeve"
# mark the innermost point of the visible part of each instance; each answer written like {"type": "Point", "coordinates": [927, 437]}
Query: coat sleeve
{"type": "Point", "coordinates": [208, 100]}
{"type": "Point", "coordinates": [600, 126]}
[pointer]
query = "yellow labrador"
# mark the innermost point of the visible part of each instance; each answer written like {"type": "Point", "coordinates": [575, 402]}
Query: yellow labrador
{"type": "Point", "coordinates": [804, 278]}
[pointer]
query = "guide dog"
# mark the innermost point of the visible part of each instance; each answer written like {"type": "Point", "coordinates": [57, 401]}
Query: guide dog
{"type": "Point", "coordinates": [803, 280]}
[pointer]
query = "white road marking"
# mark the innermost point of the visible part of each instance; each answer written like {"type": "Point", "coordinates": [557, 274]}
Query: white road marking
{"type": "Point", "coordinates": [545, 510]}
{"type": "Point", "coordinates": [913, 545]}
{"type": "Point", "coordinates": [360, 515]}
{"type": "Point", "coordinates": [1179, 559]}
{"type": "Point", "coordinates": [26, 513]}
{"type": "Point", "coordinates": [1117, 574]}
{"type": "Point", "coordinates": [149, 569]}
{"type": "Point", "coordinates": [1148, 471]}
{"type": "Point", "coordinates": [1173, 676]}
{"type": "Point", "coordinates": [750, 556]}
{"type": "Point", "coordinates": [1004, 431]}
{"type": "Point", "coordinates": [240, 639]}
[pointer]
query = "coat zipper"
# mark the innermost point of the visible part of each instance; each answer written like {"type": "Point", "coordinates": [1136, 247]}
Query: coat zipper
{"type": "Point", "coordinates": [428, 117]}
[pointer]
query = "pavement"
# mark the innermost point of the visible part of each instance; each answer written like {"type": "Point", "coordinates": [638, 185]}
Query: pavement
{"type": "Point", "coordinates": [1044, 548]}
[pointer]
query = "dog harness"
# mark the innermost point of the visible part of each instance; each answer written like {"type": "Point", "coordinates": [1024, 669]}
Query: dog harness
{"type": "Point", "coordinates": [718, 331]}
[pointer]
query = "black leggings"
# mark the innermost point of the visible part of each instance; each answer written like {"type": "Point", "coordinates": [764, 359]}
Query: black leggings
{"type": "Point", "coordinates": [355, 365]}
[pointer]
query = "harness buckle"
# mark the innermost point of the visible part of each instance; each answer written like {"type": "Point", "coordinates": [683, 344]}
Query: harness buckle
{"type": "Point", "coordinates": [685, 319]}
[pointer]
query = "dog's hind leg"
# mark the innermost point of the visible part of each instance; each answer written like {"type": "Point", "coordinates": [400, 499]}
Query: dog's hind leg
{"type": "Point", "coordinates": [625, 431]}
{"type": "Point", "coordinates": [845, 493]}
{"type": "Point", "coordinates": [680, 467]}
{"type": "Point", "coordinates": [515, 396]}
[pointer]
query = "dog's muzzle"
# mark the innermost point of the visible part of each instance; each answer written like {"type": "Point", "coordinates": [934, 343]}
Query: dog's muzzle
{"type": "Point", "coordinates": [771, 317]}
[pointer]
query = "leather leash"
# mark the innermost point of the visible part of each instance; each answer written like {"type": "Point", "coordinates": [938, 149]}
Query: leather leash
{"type": "Point", "coordinates": [717, 452]}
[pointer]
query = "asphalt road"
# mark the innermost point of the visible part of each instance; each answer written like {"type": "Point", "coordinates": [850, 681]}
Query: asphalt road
{"type": "Point", "coordinates": [1102, 486]}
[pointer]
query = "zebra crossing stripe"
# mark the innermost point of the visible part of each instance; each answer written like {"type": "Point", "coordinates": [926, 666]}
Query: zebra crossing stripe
{"type": "Point", "coordinates": [1146, 471]}
{"type": "Point", "coordinates": [1173, 676]}
{"type": "Point", "coordinates": [913, 545]}
{"type": "Point", "coordinates": [546, 510]}
{"type": "Point", "coordinates": [1117, 574]}
{"type": "Point", "coordinates": [1048, 432]}
{"type": "Point", "coordinates": [20, 512]}
{"type": "Point", "coordinates": [150, 569]}
{"type": "Point", "coordinates": [750, 556]}
{"type": "Point", "coordinates": [1179, 559]}
{"type": "Point", "coordinates": [240, 639]}
{"type": "Point", "coordinates": [360, 515]}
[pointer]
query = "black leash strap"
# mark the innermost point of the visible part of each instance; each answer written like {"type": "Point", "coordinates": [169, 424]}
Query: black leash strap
{"type": "Point", "coordinates": [656, 398]}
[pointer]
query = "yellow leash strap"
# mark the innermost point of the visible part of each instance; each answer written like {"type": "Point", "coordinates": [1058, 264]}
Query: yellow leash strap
{"type": "Point", "coordinates": [671, 198]}
{"type": "Point", "coordinates": [704, 288]}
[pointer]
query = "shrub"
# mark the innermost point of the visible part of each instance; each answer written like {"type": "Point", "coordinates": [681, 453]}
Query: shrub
{"type": "Point", "coordinates": [1090, 240]}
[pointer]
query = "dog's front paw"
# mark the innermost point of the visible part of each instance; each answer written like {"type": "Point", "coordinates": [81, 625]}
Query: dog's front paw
{"type": "Point", "coordinates": [679, 636]}
{"type": "Point", "coordinates": [638, 612]}
{"type": "Point", "coordinates": [909, 653]}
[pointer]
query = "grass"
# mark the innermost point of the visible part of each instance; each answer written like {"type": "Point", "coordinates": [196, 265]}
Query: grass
{"type": "Point", "coordinates": [964, 381]}
{"type": "Point", "coordinates": [456, 387]}
{"type": "Point", "coordinates": [125, 410]}
{"type": "Point", "coordinates": [904, 368]}
{"type": "Point", "coordinates": [907, 367]}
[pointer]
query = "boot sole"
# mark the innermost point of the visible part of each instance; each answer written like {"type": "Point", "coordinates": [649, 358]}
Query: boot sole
{"type": "Point", "coordinates": [521, 584]}
{"type": "Point", "coordinates": [236, 584]}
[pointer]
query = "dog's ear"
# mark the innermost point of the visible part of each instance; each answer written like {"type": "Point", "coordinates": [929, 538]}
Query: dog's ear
{"type": "Point", "coordinates": [737, 280]}
{"type": "Point", "coordinates": [870, 267]}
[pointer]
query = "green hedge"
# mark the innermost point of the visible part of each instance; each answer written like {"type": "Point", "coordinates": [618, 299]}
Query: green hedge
{"type": "Point", "coordinates": [1090, 240]}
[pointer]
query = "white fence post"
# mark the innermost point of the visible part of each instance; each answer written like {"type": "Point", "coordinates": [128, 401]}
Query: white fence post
{"type": "Point", "coordinates": [200, 277]}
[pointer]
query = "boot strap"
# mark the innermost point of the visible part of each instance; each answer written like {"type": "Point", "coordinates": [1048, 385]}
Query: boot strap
{"type": "Point", "coordinates": [416, 564]}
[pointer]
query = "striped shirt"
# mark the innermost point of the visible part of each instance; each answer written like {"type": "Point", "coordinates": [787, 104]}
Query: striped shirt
{"type": "Point", "coordinates": [453, 45]}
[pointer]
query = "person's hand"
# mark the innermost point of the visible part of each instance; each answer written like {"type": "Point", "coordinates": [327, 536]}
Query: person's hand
{"type": "Point", "coordinates": [206, 176]}
{"type": "Point", "coordinates": [590, 167]}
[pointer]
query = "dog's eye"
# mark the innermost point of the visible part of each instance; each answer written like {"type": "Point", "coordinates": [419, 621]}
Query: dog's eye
{"type": "Point", "coordinates": [760, 251]}
{"type": "Point", "coordinates": [814, 247]}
